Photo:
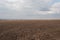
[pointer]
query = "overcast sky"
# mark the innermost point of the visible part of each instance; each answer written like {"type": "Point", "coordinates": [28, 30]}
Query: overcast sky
{"type": "Point", "coordinates": [29, 9]}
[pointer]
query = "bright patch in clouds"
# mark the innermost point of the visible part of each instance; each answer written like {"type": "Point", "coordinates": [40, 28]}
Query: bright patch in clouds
{"type": "Point", "coordinates": [44, 12]}
{"type": "Point", "coordinates": [11, 0]}
{"type": "Point", "coordinates": [14, 4]}
{"type": "Point", "coordinates": [56, 8]}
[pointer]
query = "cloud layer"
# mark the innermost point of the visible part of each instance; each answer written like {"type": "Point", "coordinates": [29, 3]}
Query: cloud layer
{"type": "Point", "coordinates": [20, 9]}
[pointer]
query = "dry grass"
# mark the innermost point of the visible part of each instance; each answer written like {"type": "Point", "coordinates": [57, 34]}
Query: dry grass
{"type": "Point", "coordinates": [30, 30]}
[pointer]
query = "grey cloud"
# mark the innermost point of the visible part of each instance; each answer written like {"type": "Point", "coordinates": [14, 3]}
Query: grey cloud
{"type": "Point", "coordinates": [27, 10]}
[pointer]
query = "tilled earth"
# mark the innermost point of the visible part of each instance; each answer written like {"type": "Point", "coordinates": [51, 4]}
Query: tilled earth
{"type": "Point", "coordinates": [30, 30]}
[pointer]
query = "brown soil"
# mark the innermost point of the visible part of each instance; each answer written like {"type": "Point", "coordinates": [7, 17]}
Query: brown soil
{"type": "Point", "coordinates": [30, 30]}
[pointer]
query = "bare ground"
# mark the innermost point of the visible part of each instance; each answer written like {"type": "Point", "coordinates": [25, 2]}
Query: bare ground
{"type": "Point", "coordinates": [30, 30]}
